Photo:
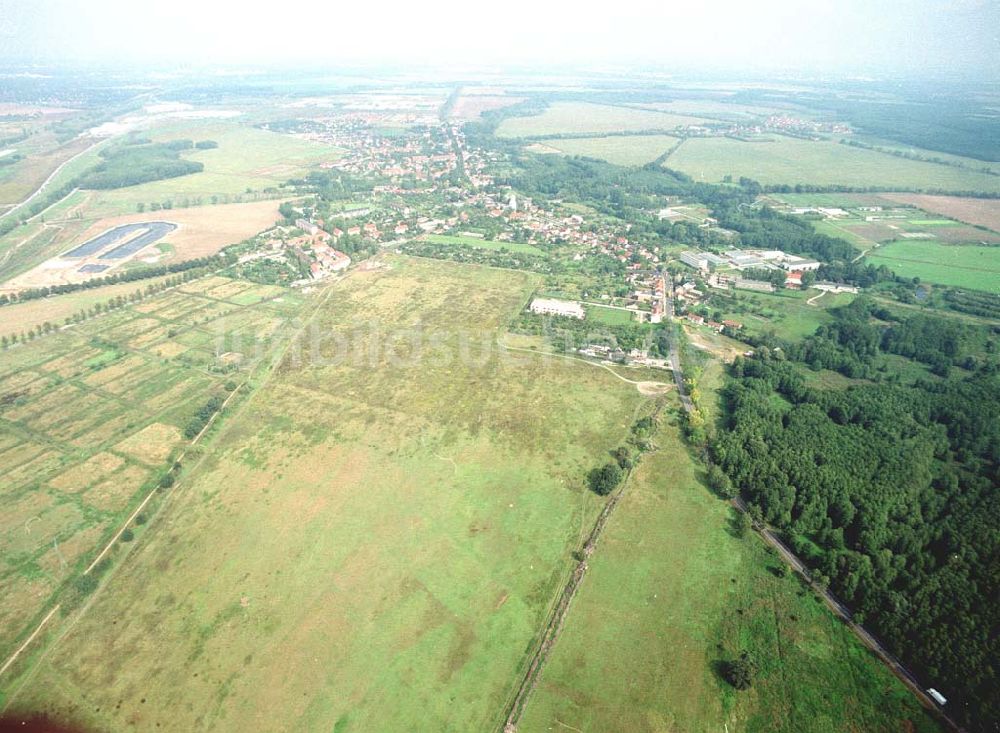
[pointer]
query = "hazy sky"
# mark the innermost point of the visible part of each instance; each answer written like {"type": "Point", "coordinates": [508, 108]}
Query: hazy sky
{"type": "Point", "coordinates": [856, 36]}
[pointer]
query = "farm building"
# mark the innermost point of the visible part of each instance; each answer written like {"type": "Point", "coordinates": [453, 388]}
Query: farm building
{"type": "Point", "coordinates": [551, 306]}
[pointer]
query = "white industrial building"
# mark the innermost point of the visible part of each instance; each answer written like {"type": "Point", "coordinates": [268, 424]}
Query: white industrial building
{"type": "Point", "coordinates": [697, 260]}
{"type": "Point", "coordinates": [553, 307]}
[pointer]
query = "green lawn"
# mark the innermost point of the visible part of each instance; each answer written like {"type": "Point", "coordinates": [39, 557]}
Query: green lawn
{"type": "Point", "coordinates": [482, 243]}
{"type": "Point", "coordinates": [576, 117]}
{"type": "Point", "coordinates": [670, 594]}
{"type": "Point", "coordinates": [610, 316]}
{"type": "Point", "coordinates": [791, 161]}
{"type": "Point", "coordinates": [620, 150]}
{"type": "Point", "coordinates": [966, 266]}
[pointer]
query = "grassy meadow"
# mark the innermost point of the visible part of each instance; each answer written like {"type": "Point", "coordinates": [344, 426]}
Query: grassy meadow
{"type": "Point", "coordinates": [577, 117]}
{"type": "Point", "coordinates": [670, 594]}
{"type": "Point", "coordinates": [790, 160]}
{"type": "Point", "coordinates": [363, 529]}
{"type": "Point", "coordinates": [620, 150]}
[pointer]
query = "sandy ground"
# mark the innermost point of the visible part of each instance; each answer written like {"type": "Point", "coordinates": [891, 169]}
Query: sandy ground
{"type": "Point", "coordinates": [201, 231]}
{"type": "Point", "coordinates": [984, 212]}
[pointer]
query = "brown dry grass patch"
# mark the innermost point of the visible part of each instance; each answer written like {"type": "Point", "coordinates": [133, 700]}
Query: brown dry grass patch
{"type": "Point", "coordinates": [152, 444]}
{"type": "Point", "coordinates": [90, 471]}
{"type": "Point", "coordinates": [115, 492]}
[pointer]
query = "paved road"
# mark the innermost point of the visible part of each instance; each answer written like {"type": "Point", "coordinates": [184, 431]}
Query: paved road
{"type": "Point", "coordinates": [675, 356]}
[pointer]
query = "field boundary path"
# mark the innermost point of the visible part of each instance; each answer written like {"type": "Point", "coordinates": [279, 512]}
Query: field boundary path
{"type": "Point", "coordinates": [48, 180]}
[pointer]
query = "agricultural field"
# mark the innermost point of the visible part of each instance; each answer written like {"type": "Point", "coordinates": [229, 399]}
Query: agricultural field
{"type": "Point", "coordinates": [790, 161]}
{"type": "Point", "coordinates": [672, 593]}
{"type": "Point", "coordinates": [964, 266]}
{"type": "Point", "coordinates": [201, 231]}
{"type": "Point", "coordinates": [90, 418]}
{"type": "Point", "coordinates": [460, 241]}
{"type": "Point", "coordinates": [27, 315]}
{"type": "Point", "coordinates": [429, 516]}
{"type": "Point", "coordinates": [978, 212]}
{"type": "Point", "coordinates": [619, 149]}
{"type": "Point", "coordinates": [578, 117]}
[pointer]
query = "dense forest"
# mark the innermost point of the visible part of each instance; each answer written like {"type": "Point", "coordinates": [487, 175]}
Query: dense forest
{"type": "Point", "coordinates": [140, 162]}
{"type": "Point", "coordinates": [888, 490]}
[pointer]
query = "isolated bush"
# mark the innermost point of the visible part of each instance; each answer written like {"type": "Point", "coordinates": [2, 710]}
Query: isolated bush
{"type": "Point", "coordinates": [740, 671]}
{"type": "Point", "coordinates": [127, 536]}
{"type": "Point", "coordinates": [603, 480]}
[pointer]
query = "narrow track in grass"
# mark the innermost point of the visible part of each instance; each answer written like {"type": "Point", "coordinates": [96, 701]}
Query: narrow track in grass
{"type": "Point", "coordinates": [557, 617]}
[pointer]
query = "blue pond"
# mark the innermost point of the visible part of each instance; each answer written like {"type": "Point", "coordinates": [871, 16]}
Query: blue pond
{"type": "Point", "coordinates": [152, 231]}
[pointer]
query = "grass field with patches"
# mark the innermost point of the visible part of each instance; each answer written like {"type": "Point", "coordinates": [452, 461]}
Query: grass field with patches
{"type": "Point", "coordinates": [482, 243]}
{"type": "Point", "coordinates": [576, 117]}
{"type": "Point", "coordinates": [620, 150]}
{"type": "Point", "coordinates": [791, 161]}
{"type": "Point", "coordinates": [88, 418]}
{"type": "Point", "coordinates": [364, 530]}
{"type": "Point", "coordinates": [964, 266]}
{"type": "Point", "coordinates": [671, 594]}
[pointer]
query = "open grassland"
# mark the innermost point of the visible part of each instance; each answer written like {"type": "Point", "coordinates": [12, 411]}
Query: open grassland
{"type": "Point", "coordinates": [460, 241]}
{"type": "Point", "coordinates": [89, 419]}
{"type": "Point", "coordinates": [576, 117]}
{"type": "Point", "coordinates": [791, 161]}
{"type": "Point", "coordinates": [964, 266]}
{"type": "Point", "coordinates": [372, 543]}
{"type": "Point", "coordinates": [247, 158]}
{"type": "Point", "coordinates": [712, 108]}
{"type": "Point", "coordinates": [619, 149]}
{"type": "Point", "coordinates": [669, 596]}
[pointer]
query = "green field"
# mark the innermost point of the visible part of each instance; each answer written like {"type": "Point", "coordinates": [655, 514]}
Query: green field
{"type": "Point", "coordinates": [791, 161]}
{"type": "Point", "coordinates": [482, 243]}
{"type": "Point", "coordinates": [90, 417]}
{"type": "Point", "coordinates": [785, 313]}
{"type": "Point", "coordinates": [370, 545]}
{"type": "Point", "coordinates": [669, 595]}
{"type": "Point", "coordinates": [620, 150]}
{"type": "Point", "coordinates": [577, 117]}
{"type": "Point", "coordinates": [964, 266]}
{"type": "Point", "coordinates": [610, 316]}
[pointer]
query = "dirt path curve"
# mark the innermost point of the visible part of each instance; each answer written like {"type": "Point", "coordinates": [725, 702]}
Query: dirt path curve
{"type": "Point", "coordinates": [647, 388]}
